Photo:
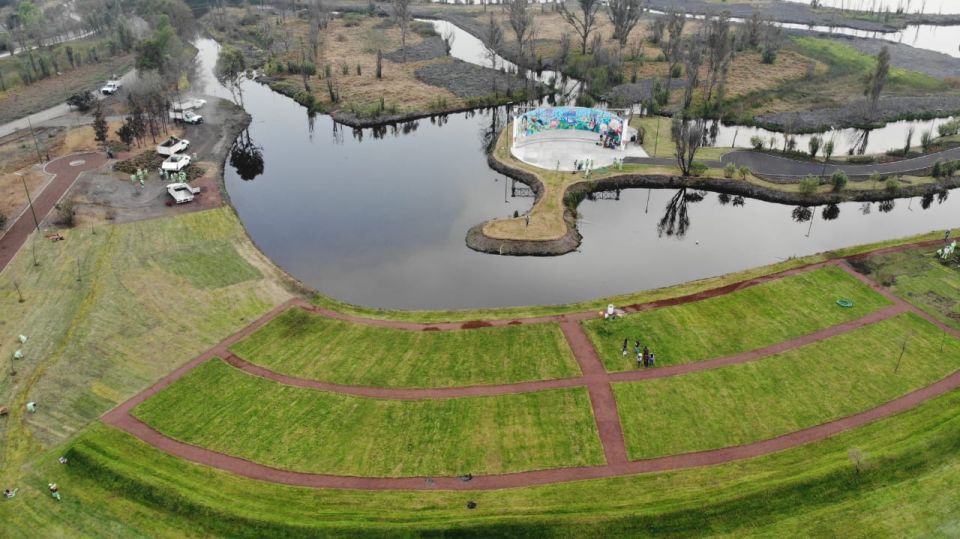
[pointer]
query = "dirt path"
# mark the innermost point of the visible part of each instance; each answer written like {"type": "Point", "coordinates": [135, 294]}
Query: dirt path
{"type": "Point", "coordinates": [66, 170]}
{"type": "Point", "coordinates": [594, 377]}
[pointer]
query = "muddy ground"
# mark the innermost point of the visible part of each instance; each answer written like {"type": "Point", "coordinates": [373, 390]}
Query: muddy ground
{"type": "Point", "coordinates": [110, 197]}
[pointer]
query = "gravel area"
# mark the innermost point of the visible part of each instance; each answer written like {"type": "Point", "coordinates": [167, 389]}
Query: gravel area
{"type": "Point", "coordinates": [636, 92]}
{"type": "Point", "coordinates": [428, 49]}
{"type": "Point", "coordinates": [468, 80]}
{"type": "Point", "coordinates": [858, 114]}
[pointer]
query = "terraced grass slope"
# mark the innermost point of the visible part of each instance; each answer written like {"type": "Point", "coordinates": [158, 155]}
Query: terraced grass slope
{"type": "Point", "coordinates": [920, 277]}
{"type": "Point", "coordinates": [748, 319]}
{"type": "Point", "coordinates": [786, 392]}
{"type": "Point", "coordinates": [307, 345]}
{"type": "Point", "coordinates": [227, 410]}
{"type": "Point", "coordinates": [116, 486]}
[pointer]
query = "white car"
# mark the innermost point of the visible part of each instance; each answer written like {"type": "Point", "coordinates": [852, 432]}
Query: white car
{"type": "Point", "coordinates": [191, 103]}
{"type": "Point", "coordinates": [111, 87]}
{"type": "Point", "coordinates": [181, 192]}
{"type": "Point", "coordinates": [175, 163]}
{"type": "Point", "coordinates": [187, 116]}
{"type": "Point", "coordinates": [173, 145]}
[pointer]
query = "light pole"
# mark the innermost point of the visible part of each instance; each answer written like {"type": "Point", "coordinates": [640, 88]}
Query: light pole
{"type": "Point", "coordinates": [36, 223]}
{"type": "Point", "coordinates": [36, 144]}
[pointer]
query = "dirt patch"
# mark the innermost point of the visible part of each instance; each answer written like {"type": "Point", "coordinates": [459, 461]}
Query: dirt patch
{"type": "Point", "coordinates": [859, 113]}
{"type": "Point", "coordinates": [470, 81]}
{"type": "Point", "coordinates": [428, 49]}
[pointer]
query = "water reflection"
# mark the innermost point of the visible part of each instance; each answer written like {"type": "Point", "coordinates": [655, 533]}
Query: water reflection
{"type": "Point", "coordinates": [246, 157]}
{"type": "Point", "coordinates": [830, 212]}
{"type": "Point", "coordinates": [676, 216]}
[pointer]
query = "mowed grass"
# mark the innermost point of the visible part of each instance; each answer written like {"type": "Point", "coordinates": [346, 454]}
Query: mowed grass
{"type": "Point", "coordinates": [920, 277]}
{"type": "Point", "coordinates": [117, 486]}
{"type": "Point", "coordinates": [820, 382]}
{"type": "Point", "coordinates": [107, 315]}
{"type": "Point", "coordinates": [228, 410]}
{"type": "Point", "coordinates": [312, 346]}
{"type": "Point", "coordinates": [747, 319]}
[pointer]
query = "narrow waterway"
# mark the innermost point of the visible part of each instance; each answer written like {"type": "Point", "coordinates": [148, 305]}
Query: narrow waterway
{"type": "Point", "coordinates": [378, 217]}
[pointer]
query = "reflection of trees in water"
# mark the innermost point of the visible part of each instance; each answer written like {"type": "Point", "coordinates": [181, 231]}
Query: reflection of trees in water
{"type": "Point", "coordinates": [738, 201]}
{"type": "Point", "coordinates": [886, 206]}
{"type": "Point", "coordinates": [337, 133]}
{"type": "Point", "coordinates": [858, 142]}
{"type": "Point", "coordinates": [489, 130]}
{"type": "Point", "coordinates": [311, 123]}
{"type": "Point", "coordinates": [246, 157]}
{"type": "Point", "coordinates": [676, 219]}
{"type": "Point", "coordinates": [381, 131]}
{"type": "Point", "coordinates": [865, 208]}
{"type": "Point", "coordinates": [801, 214]}
{"type": "Point", "coordinates": [830, 212]}
{"type": "Point", "coordinates": [942, 196]}
{"type": "Point", "coordinates": [723, 199]}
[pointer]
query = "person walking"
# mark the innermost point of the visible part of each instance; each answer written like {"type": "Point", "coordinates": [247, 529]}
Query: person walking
{"type": "Point", "coordinates": [653, 360]}
{"type": "Point", "coordinates": [646, 357]}
{"type": "Point", "coordinates": [626, 344]}
{"type": "Point", "coordinates": [637, 352]}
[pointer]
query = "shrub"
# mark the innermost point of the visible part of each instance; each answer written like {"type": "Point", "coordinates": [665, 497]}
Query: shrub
{"type": "Point", "coordinates": [676, 72]}
{"type": "Point", "coordinates": [744, 172]}
{"type": "Point", "coordinates": [351, 20]}
{"type": "Point", "coordinates": [756, 142]}
{"type": "Point", "coordinates": [892, 185]}
{"type": "Point", "coordinates": [423, 29]}
{"type": "Point", "coordinates": [926, 140]}
{"type": "Point", "coordinates": [3, 221]}
{"type": "Point", "coordinates": [950, 128]}
{"type": "Point", "coordinates": [814, 145]}
{"type": "Point", "coordinates": [839, 180]}
{"type": "Point", "coordinates": [937, 171]}
{"type": "Point", "coordinates": [66, 213]}
{"type": "Point", "coordinates": [769, 55]}
{"type": "Point", "coordinates": [698, 169]}
{"type": "Point", "coordinates": [809, 185]}
{"type": "Point", "coordinates": [82, 101]}
{"type": "Point", "coordinates": [729, 170]}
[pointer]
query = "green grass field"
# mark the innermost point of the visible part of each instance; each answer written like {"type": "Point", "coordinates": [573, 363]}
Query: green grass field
{"type": "Point", "coordinates": [142, 306]}
{"type": "Point", "coordinates": [919, 277]}
{"type": "Point", "coordinates": [228, 410]}
{"type": "Point", "coordinates": [311, 346]}
{"type": "Point", "coordinates": [116, 486]}
{"type": "Point", "coordinates": [786, 392]}
{"type": "Point", "coordinates": [748, 319]}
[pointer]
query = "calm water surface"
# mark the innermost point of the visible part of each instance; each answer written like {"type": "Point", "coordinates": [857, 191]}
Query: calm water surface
{"type": "Point", "coordinates": [381, 221]}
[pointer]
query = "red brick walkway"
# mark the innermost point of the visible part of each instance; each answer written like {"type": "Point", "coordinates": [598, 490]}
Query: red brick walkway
{"type": "Point", "coordinates": [593, 377]}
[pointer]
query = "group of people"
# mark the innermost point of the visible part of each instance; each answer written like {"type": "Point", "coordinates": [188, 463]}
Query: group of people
{"type": "Point", "coordinates": [645, 358]}
{"type": "Point", "coordinates": [609, 140]}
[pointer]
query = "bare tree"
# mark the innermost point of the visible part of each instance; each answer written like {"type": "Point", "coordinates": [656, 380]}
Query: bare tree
{"type": "Point", "coordinates": [718, 42]}
{"type": "Point", "coordinates": [401, 10]}
{"type": "Point", "coordinates": [624, 14]}
{"type": "Point", "coordinates": [875, 81]}
{"type": "Point", "coordinates": [584, 22]}
{"type": "Point", "coordinates": [521, 21]}
{"type": "Point", "coordinates": [692, 61]}
{"type": "Point", "coordinates": [674, 49]}
{"type": "Point", "coordinates": [687, 139]}
{"type": "Point", "coordinates": [493, 40]}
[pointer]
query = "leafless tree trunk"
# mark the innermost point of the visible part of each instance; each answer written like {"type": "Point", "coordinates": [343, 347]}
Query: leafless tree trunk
{"type": "Point", "coordinates": [401, 10]}
{"type": "Point", "coordinates": [521, 21]}
{"type": "Point", "coordinates": [624, 14]}
{"type": "Point", "coordinates": [687, 139]}
{"type": "Point", "coordinates": [584, 22]}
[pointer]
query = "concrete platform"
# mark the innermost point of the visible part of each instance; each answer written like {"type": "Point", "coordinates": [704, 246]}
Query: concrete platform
{"type": "Point", "coordinates": [545, 150]}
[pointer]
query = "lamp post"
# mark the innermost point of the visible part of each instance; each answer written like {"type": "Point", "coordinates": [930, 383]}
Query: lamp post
{"type": "Point", "coordinates": [36, 223]}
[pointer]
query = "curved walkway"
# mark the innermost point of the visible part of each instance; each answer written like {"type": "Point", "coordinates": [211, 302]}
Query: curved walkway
{"type": "Point", "coordinates": [594, 378]}
{"type": "Point", "coordinates": [66, 170]}
{"type": "Point", "coordinates": [766, 164]}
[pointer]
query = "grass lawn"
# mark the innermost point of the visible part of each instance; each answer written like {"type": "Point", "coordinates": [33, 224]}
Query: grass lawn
{"type": "Point", "coordinates": [745, 320]}
{"type": "Point", "coordinates": [140, 309]}
{"type": "Point", "coordinates": [307, 345]}
{"type": "Point", "coordinates": [786, 392]}
{"type": "Point", "coordinates": [228, 410]}
{"type": "Point", "coordinates": [116, 486]}
{"type": "Point", "coordinates": [919, 277]}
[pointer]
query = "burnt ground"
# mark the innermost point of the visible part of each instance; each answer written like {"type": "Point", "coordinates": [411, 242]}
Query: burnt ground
{"type": "Point", "coordinates": [861, 113]}
{"type": "Point", "coordinates": [469, 81]}
{"type": "Point", "coordinates": [428, 49]}
{"type": "Point", "coordinates": [108, 196]}
{"type": "Point", "coordinates": [637, 92]}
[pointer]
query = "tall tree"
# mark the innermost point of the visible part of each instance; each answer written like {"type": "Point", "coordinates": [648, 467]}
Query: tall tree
{"type": "Point", "coordinates": [624, 14]}
{"type": "Point", "coordinates": [401, 10]}
{"type": "Point", "coordinates": [99, 124]}
{"type": "Point", "coordinates": [583, 22]}
{"type": "Point", "coordinates": [718, 43]}
{"type": "Point", "coordinates": [674, 49]}
{"type": "Point", "coordinates": [687, 139]}
{"type": "Point", "coordinates": [231, 70]}
{"type": "Point", "coordinates": [521, 21]}
{"type": "Point", "coordinates": [876, 79]}
{"type": "Point", "coordinates": [692, 62]}
{"type": "Point", "coordinates": [493, 40]}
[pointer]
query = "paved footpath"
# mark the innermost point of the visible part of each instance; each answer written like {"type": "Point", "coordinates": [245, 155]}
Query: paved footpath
{"type": "Point", "coordinates": [593, 376]}
{"type": "Point", "coordinates": [66, 170]}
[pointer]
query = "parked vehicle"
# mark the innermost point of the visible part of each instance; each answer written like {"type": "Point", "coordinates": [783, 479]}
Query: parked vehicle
{"type": "Point", "coordinates": [181, 192]}
{"type": "Point", "coordinates": [111, 87]}
{"type": "Point", "coordinates": [175, 163]}
{"type": "Point", "coordinates": [187, 116]}
{"type": "Point", "coordinates": [172, 146]}
{"type": "Point", "coordinates": [190, 103]}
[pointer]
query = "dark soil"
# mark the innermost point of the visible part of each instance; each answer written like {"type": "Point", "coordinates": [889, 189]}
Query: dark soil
{"type": "Point", "coordinates": [428, 49]}
{"type": "Point", "coordinates": [860, 113]}
{"type": "Point", "coordinates": [638, 92]}
{"type": "Point", "coordinates": [470, 81]}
